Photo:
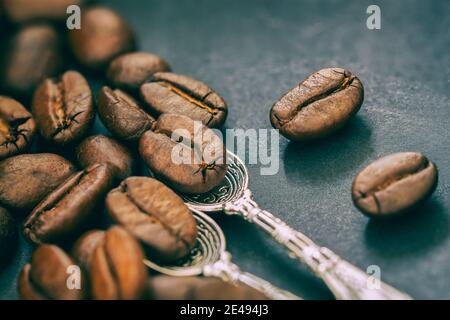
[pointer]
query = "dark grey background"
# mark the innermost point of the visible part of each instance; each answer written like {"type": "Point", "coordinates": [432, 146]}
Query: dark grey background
{"type": "Point", "coordinates": [252, 52]}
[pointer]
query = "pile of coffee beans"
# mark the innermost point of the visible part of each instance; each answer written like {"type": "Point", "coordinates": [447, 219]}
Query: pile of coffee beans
{"type": "Point", "coordinates": [63, 197]}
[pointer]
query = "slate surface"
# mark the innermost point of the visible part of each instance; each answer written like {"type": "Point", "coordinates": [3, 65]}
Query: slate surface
{"type": "Point", "coordinates": [252, 52]}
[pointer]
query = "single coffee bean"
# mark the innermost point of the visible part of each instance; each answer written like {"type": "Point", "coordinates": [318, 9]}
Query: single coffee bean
{"type": "Point", "coordinates": [173, 93]}
{"type": "Point", "coordinates": [8, 234]}
{"type": "Point", "coordinates": [393, 184]}
{"type": "Point", "coordinates": [129, 71]}
{"type": "Point", "coordinates": [199, 288]}
{"type": "Point", "coordinates": [102, 149]}
{"type": "Point", "coordinates": [103, 36]}
{"type": "Point", "coordinates": [26, 179]}
{"type": "Point", "coordinates": [174, 155]}
{"type": "Point", "coordinates": [34, 54]}
{"type": "Point", "coordinates": [154, 214]}
{"type": "Point", "coordinates": [21, 11]}
{"type": "Point", "coordinates": [319, 105]}
{"type": "Point", "coordinates": [122, 115]}
{"type": "Point", "coordinates": [84, 247]}
{"type": "Point", "coordinates": [63, 108]}
{"type": "Point", "coordinates": [69, 209]}
{"type": "Point", "coordinates": [17, 127]}
{"type": "Point", "coordinates": [46, 277]}
{"type": "Point", "coordinates": [117, 270]}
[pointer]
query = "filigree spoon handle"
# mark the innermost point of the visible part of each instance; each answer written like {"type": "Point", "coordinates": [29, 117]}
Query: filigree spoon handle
{"type": "Point", "coordinates": [345, 281]}
{"type": "Point", "coordinates": [228, 271]}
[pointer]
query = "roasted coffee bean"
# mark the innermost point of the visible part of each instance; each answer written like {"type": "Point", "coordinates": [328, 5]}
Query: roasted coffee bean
{"type": "Point", "coordinates": [173, 93]}
{"type": "Point", "coordinates": [8, 234]}
{"type": "Point", "coordinates": [17, 127]}
{"type": "Point", "coordinates": [199, 288]}
{"type": "Point", "coordinates": [193, 166]}
{"type": "Point", "coordinates": [46, 278]}
{"type": "Point", "coordinates": [103, 36]}
{"type": "Point", "coordinates": [102, 149]}
{"type": "Point", "coordinates": [394, 184]}
{"type": "Point", "coordinates": [84, 247]}
{"type": "Point", "coordinates": [122, 115]}
{"type": "Point", "coordinates": [63, 108]}
{"type": "Point", "coordinates": [26, 179]}
{"type": "Point", "coordinates": [34, 54]}
{"type": "Point", "coordinates": [117, 268]}
{"type": "Point", "coordinates": [20, 11]}
{"type": "Point", "coordinates": [319, 105]}
{"type": "Point", "coordinates": [70, 208]}
{"type": "Point", "coordinates": [154, 214]}
{"type": "Point", "coordinates": [131, 70]}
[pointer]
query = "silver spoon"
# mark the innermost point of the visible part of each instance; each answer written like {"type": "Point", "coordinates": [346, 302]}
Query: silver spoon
{"type": "Point", "coordinates": [344, 280]}
{"type": "Point", "coordinates": [210, 258]}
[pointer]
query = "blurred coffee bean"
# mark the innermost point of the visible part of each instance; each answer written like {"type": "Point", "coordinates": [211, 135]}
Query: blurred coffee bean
{"type": "Point", "coordinates": [45, 278]}
{"type": "Point", "coordinates": [20, 11]}
{"type": "Point", "coordinates": [103, 36]}
{"type": "Point", "coordinates": [199, 288]}
{"type": "Point", "coordinates": [117, 270]}
{"type": "Point", "coordinates": [63, 108]}
{"type": "Point", "coordinates": [71, 207]}
{"type": "Point", "coordinates": [102, 149]}
{"type": "Point", "coordinates": [26, 179]}
{"type": "Point", "coordinates": [17, 127]}
{"type": "Point", "coordinates": [130, 70]}
{"type": "Point", "coordinates": [201, 165]}
{"type": "Point", "coordinates": [319, 105]}
{"type": "Point", "coordinates": [84, 247]}
{"type": "Point", "coordinates": [34, 54]}
{"type": "Point", "coordinates": [394, 184]}
{"type": "Point", "coordinates": [122, 115]}
{"type": "Point", "coordinates": [8, 234]}
{"type": "Point", "coordinates": [154, 214]}
{"type": "Point", "coordinates": [173, 93]}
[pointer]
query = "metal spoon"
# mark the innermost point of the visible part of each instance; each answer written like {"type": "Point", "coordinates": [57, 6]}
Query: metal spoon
{"type": "Point", "coordinates": [210, 258]}
{"type": "Point", "coordinates": [344, 280]}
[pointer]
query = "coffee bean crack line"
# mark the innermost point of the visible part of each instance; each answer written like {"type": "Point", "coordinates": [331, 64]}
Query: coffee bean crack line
{"type": "Point", "coordinates": [124, 189]}
{"type": "Point", "coordinates": [199, 103]}
{"type": "Point", "coordinates": [63, 121]}
{"type": "Point", "coordinates": [11, 131]}
{"type": "Point", "coordinates": [347, 82]}
{"type": "Point", "coordinates": [392, 181]}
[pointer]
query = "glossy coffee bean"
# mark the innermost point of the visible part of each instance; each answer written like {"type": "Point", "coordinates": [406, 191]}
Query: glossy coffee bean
{"type": "Point", "coordinates": [173, 93]}
{"type": "Point", "coordinates": [201, 165]}
{"type": "Point", "coordinates": [154, 214]}
{"type": "Point", "coordinates": [103, 36]}
{"type": "Point", "coordinates": [26, 179]}
{"type": "Point", "coordinates": [69, 209]}
{"type": "Point", "coordinates": [63, 108]}
{"type": "Point", "coordinates": [117, 268]}
{"type": "Point", "coordinates": [319, 105]}
{"type": "Point", "coordinates": [199, 288]}
{"type": "Point", "coordinates": [17, 127]}
{"type": "Point", "coordinates": [393, 184]}
{"type": "Point", "coordinates": [33, 55]}
{"type": "Point", "coordinates": [8, 234]}
{"type": "Point", "coordinates": [102, 149]}
{"type": "Point", "coordinates": [129, 71]}
{"type": "Point", "coordinates": [45, 278]}
{"type": "Point", "coordinates": [21, 11]}
{"type": "Point", "coordinates": [84, 248]}
{"type": "Point", "coordinates": [122, 115]}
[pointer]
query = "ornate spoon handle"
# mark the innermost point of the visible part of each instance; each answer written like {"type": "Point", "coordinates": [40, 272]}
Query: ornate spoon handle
{"type": "Point", "coordinates": [228, 271]}
{"type": "Point", "coordinates": [346, 281]}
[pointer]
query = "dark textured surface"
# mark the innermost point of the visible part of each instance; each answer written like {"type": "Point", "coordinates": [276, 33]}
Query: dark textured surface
{"type": "Point", "coordinates": [251, 52]}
